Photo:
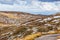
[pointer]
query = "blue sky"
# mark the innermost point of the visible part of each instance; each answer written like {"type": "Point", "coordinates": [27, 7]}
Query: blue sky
{"type": "Point", "coordinates": [48, 0]}
{"type": "Point", "coordinates": [45, 7]}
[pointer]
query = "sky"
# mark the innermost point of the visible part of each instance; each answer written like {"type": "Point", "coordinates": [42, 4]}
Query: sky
{"type": "Point", "coordinates": [45, 7]}
{"type": "Point", "coordinates": [48, 0]}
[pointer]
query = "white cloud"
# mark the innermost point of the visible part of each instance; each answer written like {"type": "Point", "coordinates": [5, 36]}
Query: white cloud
{"type": "Point", "coordinates": [35, 6]}
{"type": "Point", "coordinates": [46, 6]}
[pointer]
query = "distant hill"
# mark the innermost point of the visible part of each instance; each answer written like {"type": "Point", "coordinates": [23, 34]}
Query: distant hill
{"type": "Point", "coordinates": [19, 23]}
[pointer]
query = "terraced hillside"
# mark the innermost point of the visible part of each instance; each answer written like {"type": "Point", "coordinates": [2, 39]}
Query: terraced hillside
{"type": "Point", "coordinates": [16, 25]}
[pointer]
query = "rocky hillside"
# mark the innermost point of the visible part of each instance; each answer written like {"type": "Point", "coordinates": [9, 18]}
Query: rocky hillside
{"type": "Point", "coordinates": [17, 24]}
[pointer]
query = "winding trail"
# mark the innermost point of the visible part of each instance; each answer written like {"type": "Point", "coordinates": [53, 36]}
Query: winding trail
{"type": "Point", "coordinates": [48, 37]}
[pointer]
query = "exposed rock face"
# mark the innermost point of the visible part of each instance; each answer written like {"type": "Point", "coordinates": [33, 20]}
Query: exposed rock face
{"type": "Point", "coordinates": [17, 24]}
